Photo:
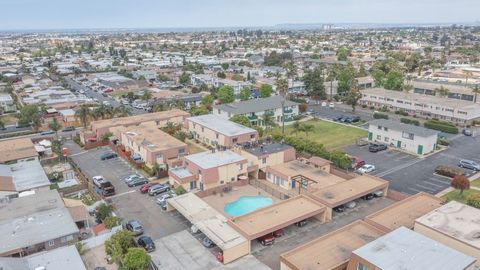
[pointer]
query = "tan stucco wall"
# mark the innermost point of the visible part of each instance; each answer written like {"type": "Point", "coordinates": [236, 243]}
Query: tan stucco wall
{"type": "Point", "coordinates": [236, 252]}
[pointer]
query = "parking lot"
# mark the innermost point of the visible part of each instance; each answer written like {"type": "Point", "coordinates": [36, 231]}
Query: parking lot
{"type": "Point", "coordinates": [411, 174]}
{"type": "Point", "coordinates": [128, 202]}
{"type": "Point", "coordinates": [295, 236]}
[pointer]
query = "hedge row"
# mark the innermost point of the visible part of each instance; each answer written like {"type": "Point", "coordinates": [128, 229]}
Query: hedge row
{"type": "Point", "coordinates": [441, 126]}
{"type": "Point", "coordinates": [340, 159]}
{"type": "Point", "coordinates": [380, 116]}
{"type": "Point", "coordinates": [410, 121]}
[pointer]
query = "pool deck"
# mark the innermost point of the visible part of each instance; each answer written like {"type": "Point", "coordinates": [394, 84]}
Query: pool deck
{"type": "Point", "coordinates": [218, 201]}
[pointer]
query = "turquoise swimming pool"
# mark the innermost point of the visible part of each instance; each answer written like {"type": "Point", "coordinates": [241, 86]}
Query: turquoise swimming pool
{"type": "Point", "coordinates": [246, 204]}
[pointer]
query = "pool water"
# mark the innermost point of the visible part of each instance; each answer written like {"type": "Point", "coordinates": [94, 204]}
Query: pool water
{"type": "Point", "coordinates": [246, 204]}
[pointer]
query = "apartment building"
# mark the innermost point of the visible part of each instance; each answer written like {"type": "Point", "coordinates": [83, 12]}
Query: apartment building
{"type": "Point", "coordinates": [7, 104]}
{"type": "Point", "coordinates": [219, 132]}
{"type": "Point", "coordinates": [150, 144]}
{"type": "Point", "coordinates": [100, 127]}
{"type": "Point", "coordinates": [455, 91]}
{"type": "Point", "coordinates": [35, 223]}
{"type": "Point", "coordinates": [210, 80]}
{"type": "Point", "coordinates": [407, 249]}
{"type": "Point", "coordinates": [207, 170]}
{"type": "Point", "coordinates": [410, 138]}
{"type": "Point", "coordinates": [254, 109]}
{"type": "Point", "coordinates": [425, 106]}
{"type": "Point", "coordinates": [455, 225]}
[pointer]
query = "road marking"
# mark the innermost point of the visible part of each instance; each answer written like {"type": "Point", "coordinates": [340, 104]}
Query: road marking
{"type": "Point", "coordinates": [400, 167]}
{"type": "Point", "coordinates": [438, 181]}
{"type": "Point", "coordinates": [414, 189]}
{"type": "Point", "coordinates": [121, 194]}
{"type": "Point", "coordinates": [427, 188]}
{"type": "Point", "coordinates": [77, 154]}
{"type": "Point", "coordinates": [433, 184]}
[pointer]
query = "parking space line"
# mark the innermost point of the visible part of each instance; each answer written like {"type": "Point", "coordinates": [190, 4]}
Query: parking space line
{"type": "Point", "coordinates": [402, 166]}
{"type": "Point", "coordinates": [438, 180]}
{"type": "Point", "coordinates": [433, 184]}
{"type": "Point", "coordinates": [123, 193]}
{"type": "Point", "coordinates": [427, 188]}
{"type": "Point", "coordinates": [414, 189]}
{"type": "Point", "coordinates": [77, 154]}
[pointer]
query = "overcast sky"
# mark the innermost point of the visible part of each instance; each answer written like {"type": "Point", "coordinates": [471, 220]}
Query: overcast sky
{"type": "Point", "coordinates": [64, 14]}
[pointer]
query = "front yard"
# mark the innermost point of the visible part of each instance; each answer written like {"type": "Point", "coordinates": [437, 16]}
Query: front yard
{"type": "Point", "coordinates": [455, 195]}
{"type": "Point", "coordinates": [332, 135]}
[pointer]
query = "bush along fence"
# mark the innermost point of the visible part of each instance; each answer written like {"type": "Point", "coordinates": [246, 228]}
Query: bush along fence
{"type": "Point", "coordinates": [380, 116]}
{"type": "Point", "coordinates": [410, 121]}
{"type": "Point", "coordinates": [443, 126]}
{"type": "Point", "coordinates": [338, 158]}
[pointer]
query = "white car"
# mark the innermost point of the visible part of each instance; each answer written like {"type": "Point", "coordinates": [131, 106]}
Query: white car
{"type": "Point", "coordinates": [367, 168]}
{"type": "Point", "coordinates": [331, 105]}
{"type": "Point", "coordinates": [97, 180]}
{"type": "Point", "coordinates": [324, 104]}
{"type": "Point", "coordinates": [164, 197]}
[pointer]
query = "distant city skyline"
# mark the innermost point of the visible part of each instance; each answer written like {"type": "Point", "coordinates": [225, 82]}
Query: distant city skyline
{"type": "Point", "coordinates": [67, 14]}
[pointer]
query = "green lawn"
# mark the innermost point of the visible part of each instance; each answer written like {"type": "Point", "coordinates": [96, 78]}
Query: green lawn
{"type": "Point", "coordinates": [332, 135]}
{"type": "Point", "coordinates": [455, 195]}
{"type": "Point", "coordinates": [194, 148]}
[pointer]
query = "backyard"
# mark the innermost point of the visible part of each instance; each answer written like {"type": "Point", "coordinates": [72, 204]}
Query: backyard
{"type": "Point", "coordinates": [332, 135]}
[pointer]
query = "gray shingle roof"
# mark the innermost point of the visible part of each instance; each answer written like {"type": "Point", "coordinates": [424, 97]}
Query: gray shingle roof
{"type": "Point", "coordinates": [419, 131]}
{"type": "Point", "coordinates": [255, 105]}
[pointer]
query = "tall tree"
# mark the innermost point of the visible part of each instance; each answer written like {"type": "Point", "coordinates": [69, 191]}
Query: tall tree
{"type": "Point", "coordinates": [313, 80]}
{"type": "Point", "coordinates": [467, 74]}
{"type": "Point", "coordinates": [55, 126]}
{"type": "Point", "coordinates": [117, 246]}
{"type": "Point", "coordinates": [265, 90]}
{"type": "Point", "coordinates": [226, 94]}
{"type": "Point", "coordinates": [245, 93]}
{"type": "Point", "coordinates": [460, 182]}
{"type": "Point", "coordinates": [147, 96]}
{"type": "Point", "coordinates": [83, 114]}
{"type": "Point", "coordinates": [353, 96]}
{"type": "Point", "coordinates": [267, 120]}
{"type": "Point", "coordinates": [241, 119]}
{"type": "Point", "coordinates": [123, 111]}
{"type": "Point", "coordinates": [136, 259]}
{"type": "Point", "coordinates": [282, 88]}
{"type": "Point", "coordinates": [342, 54]}
{"type": "Point", "coordinates": [475, 91]}
{"type": "Point", "coordinates": [394, 80]}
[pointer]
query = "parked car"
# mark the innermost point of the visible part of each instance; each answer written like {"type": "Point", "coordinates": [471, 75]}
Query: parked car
{"type": "Point", "coordinates": [137, 182]}
{"type": "Point", "coordinates": [146, 242]}
{"type": "Point", "coordinates": [157, 189]}
{"type": "Point", "coordinates": [278, 233]}
{"type": "Point", "coordinates": [219, 256]}
{"type": "Point", "coordinates": [367, 168]}
{"type": "Point", "coordinates": [107, 188]}
{"type": "Point", "coordinates": [469, 164]}
{"type": "Point", "coordinates": [267, 240]}
{"type": "Point", "coordinates": [97, 180]}
{"type": "Point", "coordinates": [68, 128]}
{"type": "Point", "coordinates": [206, 242]}
{"type": "Point", "coordinates": [162, 199]}
{"type": "Point", "coordinates": [351, 204]}
{"type": "Point", "coordinates": [378, 193]}
{"type": "Point", "coordinates": [145, 187]}
{"type": "Point", "coordinates": [351, 119]}
{"type": "Point", "coordinates": [357, 163]}
{"type": "Point", "coordinates": [467, 132]}
{"type": "Point", "coordinates": [368, 197]}
{"type": "Point", "coordinates": [47, 132]}
{"type": "Point", "coordinates": [108, 155]}
{"type": "Point", "coordinates": [377, 147]}
{"type": "Point", "coordinates": [331, 105]}
{"type": "Point", "coordinates": [134, 226]}
{"type": "Point", "coordinates": [339, 209]}
{"type": "Point", "coordinates": [301, 223]}
{"type": "Point", "coordinates": [338, 118]}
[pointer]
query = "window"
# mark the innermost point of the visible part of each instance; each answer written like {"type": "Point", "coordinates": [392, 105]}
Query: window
{"type": "Point", "coordinates": [216, 135]}
{"type": "Point", "coordinates": [181, 151]}
{"type": "Point", "coordinates": [384, 128]}
{"type": "Point", "coordinates": [386, 139]}
{"type": "Point", "coordinates": [269, 175]}
{"type": "Point", "coordinates": [219, 111]}
{"type": "Point", "coordinates": [264, 160]}
{"type": "Point", "coordinates": [407, 135]}
{"type": "Point", "coordinates": [252, 136]}
{"type": "Point", "coordinates": [51, 243]}
{"type": "Point", "coordinates": [202, 129]}
{"type": "Point", "coordinates": [360, 266]}
{"type": "Point", "coordinates": [241, 166]}
{"type": "Point", "coordinates": [221, 182]}
{"type": "Point", "coordinates": [379, 137]}
{"type": "Point", "coordinates": [379, 127]}
{"type": "Point", "coordinates": [235, 140]}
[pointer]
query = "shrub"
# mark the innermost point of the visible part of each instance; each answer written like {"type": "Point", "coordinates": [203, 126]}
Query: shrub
{"type": "Point", "coordinates": [474, 200]}
{"type": "Point", "coordinates": [111, 222]}
{"type": "Point", "coordinates": [460, 182]}
{"type": "Point", "coordinates": [448, 171]}
{"type": "Point", "coordinates": [441, 126]}
{"type": "Point", "coordinates": [410, 121]}
{"type": "Point", "coordinates": [401, 112]}
{"type": "Point", "coordinates": [103, 211]}
{"type": "Point", "coordinates": [302, 107]}
{"type": "Point", "coordinates": [364, 106]}
{"type": "Point", "coordinates": [79, 247]}
{"type": "Point", "coordinates": [380, 116]}
{"type": "Point", "coordinates": [180, 190]}
{"type": "Point", "coordinates": [443, 141]}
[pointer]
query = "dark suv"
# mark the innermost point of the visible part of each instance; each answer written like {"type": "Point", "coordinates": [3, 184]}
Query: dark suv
{"type": "Point", "coordinates": [377, 147]}
{"type": "Point", "coordinates": [108, 155]}
{"type": "Point", "coordinates": [147, 243]}
{"type": "Point", "coordinates": [107, 188]}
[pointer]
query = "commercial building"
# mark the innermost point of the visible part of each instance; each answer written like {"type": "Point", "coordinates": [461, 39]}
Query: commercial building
{"type": "Point", "coordinates": [35, 223]}
{"type": "Point", "coordinates": [100, 127]}
{"type": "Point", "coordinates": [16, 150]}
{"type": "Point", "coordinates": [404, 213]}
{"type": "Point", "coordinates": [410, 138]}
{"type": "Point", "coordinates": [425, 106]}
{"type": "Point", "coordinates": [57, 259]}
{"type": "Point", "coordinates": [331, 251]}
{"type": "Point", "coordinates": [153, 146]}
{"type": "Point", "coordinates": [219, 132]}
{"type": "Point", "coordinates": [455, 225]}
{"type": "Point", "coordinates": [277, 216]}
{"type": "Point", "coordinates": [301, 175]}
{"type": "Point", "coordinates": [22, 176]}
{"type": "Point", "coordinates": [261, 155]}
{"type": "Point", "coordinates": [254, 109]}
{"type": "Point", "coordinates": [213, 224]}
{"type": "Point", "coordinates": [347, 191]}
{"type": "Point", "coordinates": [406, 249]}
{"type": "Point", "coordinates": [207, 170]}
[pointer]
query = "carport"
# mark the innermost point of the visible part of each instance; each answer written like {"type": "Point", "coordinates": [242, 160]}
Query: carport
{"type": "Point", "coordinates": [213, 224]}
{"type": "Point", "coordinates": [277, 216]}
{"type": "Point", "coordinates": [347, 191]}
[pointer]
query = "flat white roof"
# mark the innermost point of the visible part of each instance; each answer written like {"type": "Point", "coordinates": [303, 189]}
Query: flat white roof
{"type": "Point", "coordinates": [26, 175]}
{"type": "Point", "coordinates": [406, 249]}
{"type": "Point", "coordinates": [221, 125]}
{"type": "Point", "coordinates": [457, 220]}
{"type": "Point", "coordinates": [207, 159]}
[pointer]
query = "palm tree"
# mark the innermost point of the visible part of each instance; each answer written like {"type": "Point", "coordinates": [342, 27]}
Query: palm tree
{"type": "Point", "coordinates": [332, 74]}
{"type": "Point", "coordinates": [467, 74]}
{"type": "Point", "coordinates": [109, 112]}
{"type": "Point", "coordinates": [55, 126]}
{"type": "Point", "coordinates": [442, 91]}
{"type": "Point", "coordinates": [282, 88]}
{"type": "Point", "coordinates": [100, 112]}
{"type": "Point", "coordinates": [147, 96]}
{"type": "Point", "coordinates": [476, 91]}
{"type": "Point", "coordinates": [83, 113]}
{"type": "Point", "coordinates": [306, 128]}
{"type": "Point", "coordinates": [123, 111]}
{"type": "Point", "coordinates": [267, 120]}
{"type": "Point", "coordinates": [296, 127]}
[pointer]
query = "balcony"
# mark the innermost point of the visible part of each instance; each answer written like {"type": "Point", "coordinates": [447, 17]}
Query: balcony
{"type": "Point", "coordinates": [252, 117]}
{"type": "Point", "coordinates": [288, 110]}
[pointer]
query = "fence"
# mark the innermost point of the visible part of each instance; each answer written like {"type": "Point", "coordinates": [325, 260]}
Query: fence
{"type": "Point", "coordinates": [223, 188]}
{"type": "Point", "coordinates": [269, 189]}
{"type": "Point", "coordinates": [91, 145]}
{"type": "Point", "coordinates": [73, 189]}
